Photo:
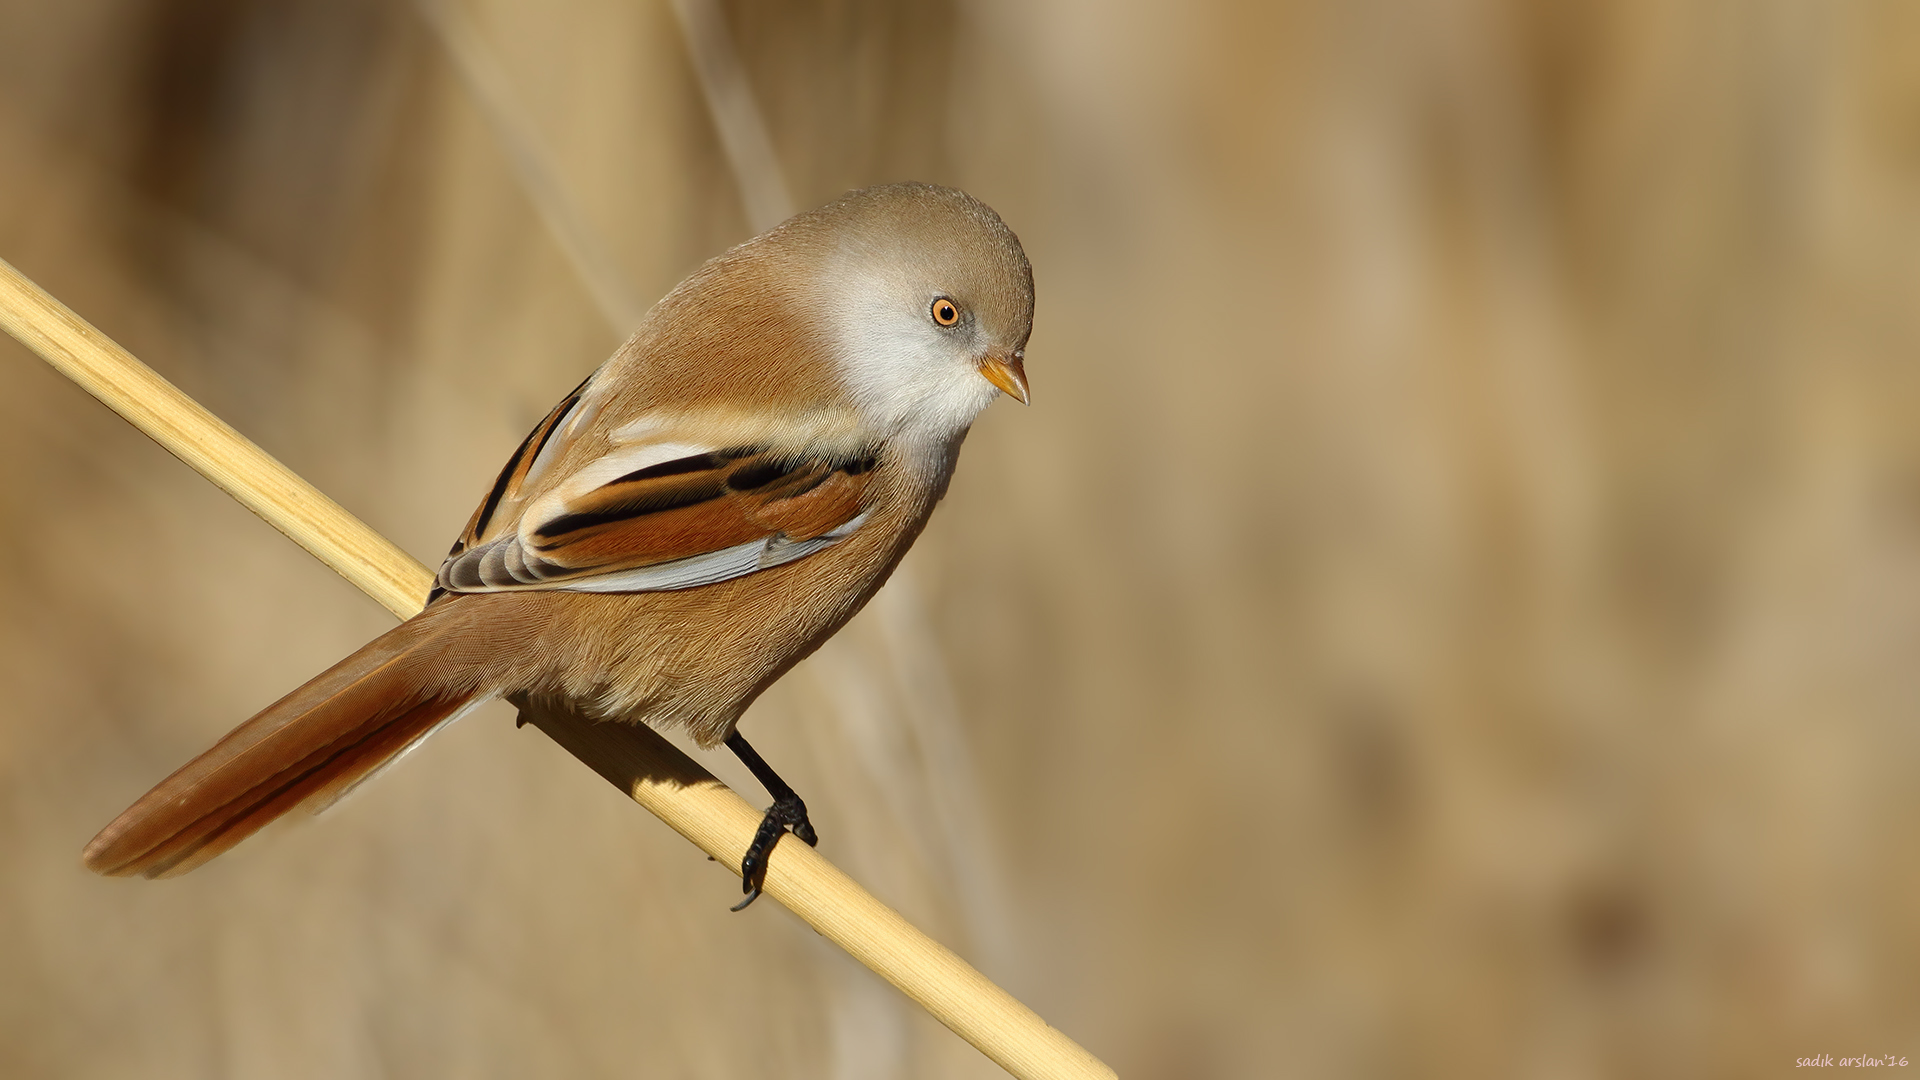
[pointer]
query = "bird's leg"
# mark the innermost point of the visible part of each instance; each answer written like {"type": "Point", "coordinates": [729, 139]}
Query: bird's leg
{"type": "Point", "coordinates": [786, 812]}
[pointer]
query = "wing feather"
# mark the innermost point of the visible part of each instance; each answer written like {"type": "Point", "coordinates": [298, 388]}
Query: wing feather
{"type": "Point", "coordinates": [532, 456]}
{"type": "Point", "coordinates": [669, 514]}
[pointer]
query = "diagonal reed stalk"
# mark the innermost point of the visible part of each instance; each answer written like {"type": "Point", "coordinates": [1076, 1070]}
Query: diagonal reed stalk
{"type": "Point", "coordinates": [633, 757]}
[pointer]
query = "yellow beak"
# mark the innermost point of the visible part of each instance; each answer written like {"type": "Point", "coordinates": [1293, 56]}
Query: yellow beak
{"type": "Point", "coordinates": [1009, 374]}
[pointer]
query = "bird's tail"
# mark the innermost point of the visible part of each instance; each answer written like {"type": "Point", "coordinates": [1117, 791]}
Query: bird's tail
{"type": "Point", "coordinates": [310, 747]}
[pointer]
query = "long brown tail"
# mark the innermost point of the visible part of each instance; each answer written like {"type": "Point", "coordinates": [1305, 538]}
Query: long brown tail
{"type": "Point", "coordinates": [309, 747]}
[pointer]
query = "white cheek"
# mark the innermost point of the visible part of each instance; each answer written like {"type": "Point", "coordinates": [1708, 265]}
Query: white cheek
{"type": "Point", "coordinates": [907, 376]}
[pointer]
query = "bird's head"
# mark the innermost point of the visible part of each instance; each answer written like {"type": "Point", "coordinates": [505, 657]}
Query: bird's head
{"type": "Point", "coordinates": [928, 300]}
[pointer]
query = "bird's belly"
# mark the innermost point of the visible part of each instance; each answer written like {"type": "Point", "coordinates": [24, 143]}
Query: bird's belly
{"type": "Point", "coordinates": [692, 658]}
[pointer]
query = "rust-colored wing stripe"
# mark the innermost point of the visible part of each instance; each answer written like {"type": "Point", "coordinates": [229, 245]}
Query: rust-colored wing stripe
{"type": "Point", "coordinates": [671, 510]}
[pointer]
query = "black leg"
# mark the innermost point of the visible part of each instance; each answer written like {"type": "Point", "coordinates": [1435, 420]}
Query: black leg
{"type": "Point", "coordinates": [786, 812]}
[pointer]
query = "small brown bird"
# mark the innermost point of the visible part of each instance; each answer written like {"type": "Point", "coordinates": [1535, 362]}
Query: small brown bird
{"type": "Point", "coordinates": [696, 517]}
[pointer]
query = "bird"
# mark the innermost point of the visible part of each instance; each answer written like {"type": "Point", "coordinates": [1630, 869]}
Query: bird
{"type": "Point", "coordinates": [697, 516]}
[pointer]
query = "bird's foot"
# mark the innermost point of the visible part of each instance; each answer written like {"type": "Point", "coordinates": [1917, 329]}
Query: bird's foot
{"type": "Point", "coordinates": [785, 813]}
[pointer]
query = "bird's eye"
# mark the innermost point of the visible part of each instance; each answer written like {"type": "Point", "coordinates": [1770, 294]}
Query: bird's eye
{"type": "Point", "coordinates": [945, 312]}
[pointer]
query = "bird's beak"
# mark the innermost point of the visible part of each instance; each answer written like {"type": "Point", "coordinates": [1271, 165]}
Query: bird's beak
{"type": "Point", "coordinates": [1007, 373]}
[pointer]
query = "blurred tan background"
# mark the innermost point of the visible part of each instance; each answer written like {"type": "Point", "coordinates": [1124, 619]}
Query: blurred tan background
{"type": "Point", "coordinates": [1452, 610]}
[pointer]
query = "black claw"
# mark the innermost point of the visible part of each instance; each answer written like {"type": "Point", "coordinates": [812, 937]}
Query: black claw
{"type": "Point", "coordinates": [787, 812]}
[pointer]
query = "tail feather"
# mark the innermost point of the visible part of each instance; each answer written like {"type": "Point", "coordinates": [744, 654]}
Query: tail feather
{"type": "Point", "coordinates": [311, 746]}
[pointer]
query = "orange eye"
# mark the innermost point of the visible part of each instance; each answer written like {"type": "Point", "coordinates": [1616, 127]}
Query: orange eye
{"type": "Point", "coordinates": [945, 312]}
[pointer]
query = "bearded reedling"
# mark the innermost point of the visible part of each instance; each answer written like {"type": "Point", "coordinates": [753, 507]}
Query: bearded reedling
{"type": "Point", "coordinates": [695, 518]}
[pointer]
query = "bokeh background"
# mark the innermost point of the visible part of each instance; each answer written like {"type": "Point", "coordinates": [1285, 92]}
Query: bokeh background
{"type": "Point", "coordinates": [1452, 610]}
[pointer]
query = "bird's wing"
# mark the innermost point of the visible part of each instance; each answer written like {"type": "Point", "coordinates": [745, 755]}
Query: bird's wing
{"type": "Point", "coordinates": [650, 514]}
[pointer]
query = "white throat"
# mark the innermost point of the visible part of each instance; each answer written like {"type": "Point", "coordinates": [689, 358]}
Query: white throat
{"type": "Point", "coordinates": [908, 378]}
